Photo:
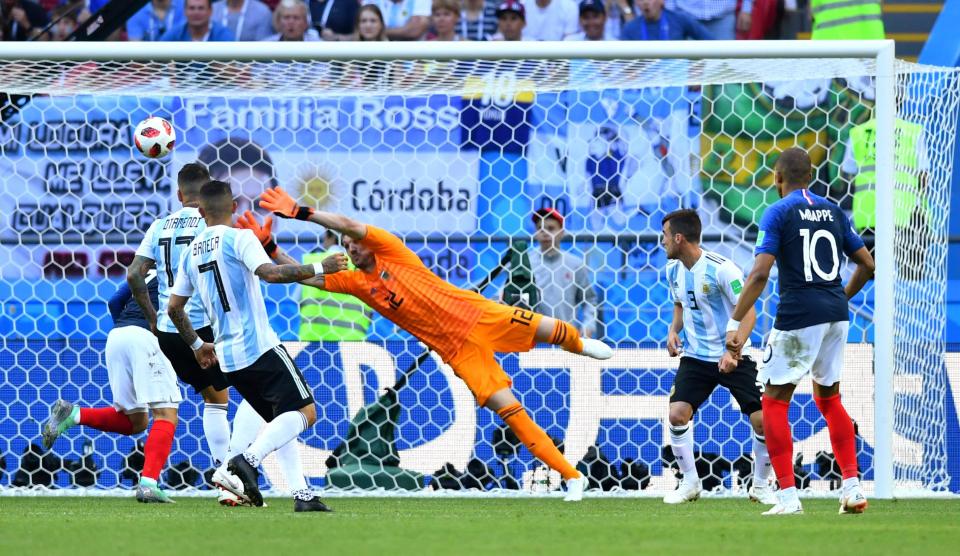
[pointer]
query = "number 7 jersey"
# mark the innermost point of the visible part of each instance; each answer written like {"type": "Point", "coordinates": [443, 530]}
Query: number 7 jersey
{"type": "Point", "coordinates": [807, 233]}
{"type": "Point", "coordinates": [164, 243]}
{"type": "Point", "coordinates": [219, 269]}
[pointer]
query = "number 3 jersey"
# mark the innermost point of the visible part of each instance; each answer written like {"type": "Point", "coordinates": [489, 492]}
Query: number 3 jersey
{"type": "Point", "coordinates": [708, 292]}
{"type": "Point", "coordinates": [219, 268]}
{"type": "Point", "coordinates": [807, 233]}
{"type": "Point", "coordinates": [164, 243]}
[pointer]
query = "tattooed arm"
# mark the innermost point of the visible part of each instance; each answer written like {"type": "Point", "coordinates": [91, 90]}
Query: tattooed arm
{"type": "Point", "coordinates": [136, 274]}
{"type": "Point", "coordinates": [205, 354]}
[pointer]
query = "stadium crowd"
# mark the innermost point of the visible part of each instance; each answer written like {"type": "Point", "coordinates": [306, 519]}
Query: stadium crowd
{"type": "Point", "coordinates": [402, 20]}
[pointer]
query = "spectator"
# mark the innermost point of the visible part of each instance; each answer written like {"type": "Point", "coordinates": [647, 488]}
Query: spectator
{"type": "Point", "coordinates": [619, 13]}
{"type": "Point", "coordinates": [248, 20]}
{"type": "Point", "coordinates": [370, 26]}
{"type": "Point", "coordinates": [335, 20]}
{"type": "Point", "coordinates": [198, 25]}
{"type": "Point", "coordinates": [155, 19]}
{"type": "Point", "coordinates": [718, 16]}
{"type": "Point", "coordinates": [478, 19]}
{"type": "Point", "coordinates": [549, 20]}
{"type": "Point", "coordinates": [292, 23]}
{"type": "Point", "coordinates": [562, 278]}
{"type": "Point", "coordinates": [66, 22]}
{"type": "Point", "coordinates": [593, 21]}
{"type": "Point", "coordinates": [22, 19]}
{"type": "Point", "coordinates": [445, 15]}
{"type": "Point", "coordinates": [660, 24]}
{"type": "Point", "coordinates": [405, 20]}
{"type": "Point", "coordinates": [765, 20]}
{"type": "Point", "coordinates": [511, 19]}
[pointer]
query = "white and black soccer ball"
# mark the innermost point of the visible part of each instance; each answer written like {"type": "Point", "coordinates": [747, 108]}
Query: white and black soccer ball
{"type": "Point", "coordinates": [154, 137]}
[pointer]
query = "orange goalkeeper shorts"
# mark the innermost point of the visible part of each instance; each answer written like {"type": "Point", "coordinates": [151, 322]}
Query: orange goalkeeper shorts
{"type": "Point", "coordinates": [502, 329]}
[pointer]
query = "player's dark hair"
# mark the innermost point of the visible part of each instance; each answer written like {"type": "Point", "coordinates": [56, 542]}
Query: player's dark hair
{"type": "Point", "coordinates": [239, 153]}
{"type": "Point", "coordinates": [794, 164]}
{"type": "Point", "coordinates": [216, 198]}
{"type": "Point", "coordinates": [685, 222]}
{"type": "Point", "coordinates": [191, 178]}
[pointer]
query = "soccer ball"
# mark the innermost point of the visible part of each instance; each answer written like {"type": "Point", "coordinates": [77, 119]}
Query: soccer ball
{"type": "Point", "coordinates": [154, 137]}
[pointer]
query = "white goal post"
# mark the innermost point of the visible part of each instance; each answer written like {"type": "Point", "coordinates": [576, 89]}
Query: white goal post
{"type": "Point", "coordinates": [51, 69]}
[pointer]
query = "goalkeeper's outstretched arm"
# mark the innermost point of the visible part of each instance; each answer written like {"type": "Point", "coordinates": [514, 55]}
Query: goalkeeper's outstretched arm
{"type": "Point", "coordinates": [333, 263]}
{"type": "Point", "coordinates": [281, 203]}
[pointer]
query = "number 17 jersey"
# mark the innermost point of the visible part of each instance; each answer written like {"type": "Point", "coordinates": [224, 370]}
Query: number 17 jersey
{"type": "Point", "coordinates": [164, 243]}
{"type": "Point", "coordinates": [807, 234]}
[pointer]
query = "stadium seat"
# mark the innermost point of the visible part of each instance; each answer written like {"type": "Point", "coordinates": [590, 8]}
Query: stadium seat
{"type": "Point", "coordinates": [65, 264]}
{"type": "Point", "coordinates": [114, 263]}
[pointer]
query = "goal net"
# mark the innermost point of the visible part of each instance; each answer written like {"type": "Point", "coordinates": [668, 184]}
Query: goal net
{"type": "Point", "coordinates": [454, 154]}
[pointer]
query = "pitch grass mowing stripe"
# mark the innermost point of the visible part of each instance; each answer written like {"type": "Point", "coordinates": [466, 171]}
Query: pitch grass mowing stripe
{"type": "Point", "coordinates": [389, 527]}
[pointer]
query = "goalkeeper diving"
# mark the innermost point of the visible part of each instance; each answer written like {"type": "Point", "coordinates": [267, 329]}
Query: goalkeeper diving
{"type": "Point", "coordinates": [464, 328]}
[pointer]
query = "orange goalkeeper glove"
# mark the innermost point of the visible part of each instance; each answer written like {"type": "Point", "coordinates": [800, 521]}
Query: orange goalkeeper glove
{"type": "Point", "coordinates": [282, 204]}
{"type": "Point", "coordinates": [247, 221]}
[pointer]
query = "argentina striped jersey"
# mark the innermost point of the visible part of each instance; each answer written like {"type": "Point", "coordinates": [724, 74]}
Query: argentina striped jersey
{"type": "Point", "coordinates": [219, 268]}
{"type": "Point", "coordinates": [164, 243]}
{"type": "Point", "coordinates": [708, 292]}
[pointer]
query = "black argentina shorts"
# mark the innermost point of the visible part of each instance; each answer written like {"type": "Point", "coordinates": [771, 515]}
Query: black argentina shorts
{"type": "Point", "coordinates": [697, 379]}
{"type": "Point", "coordinates": [185, 363]}
{"type": "Point", "coordinates": [272, 385]}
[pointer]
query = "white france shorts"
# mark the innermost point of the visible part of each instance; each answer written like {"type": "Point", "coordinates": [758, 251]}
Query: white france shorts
{"type": "Point", "coordinates": [140, 376]}
{"type": "Point", "coordinates": [817, 349]}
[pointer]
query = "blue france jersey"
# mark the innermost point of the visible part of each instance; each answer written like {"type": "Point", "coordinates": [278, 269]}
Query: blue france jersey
{"type": "Point", "coordinates": [165, 243]}
{"type": "Point", "coordinates": [807, 234]}
{"type": "Point", "coordinates": [125, 310]}
{"type": "Point", "coordinates": [708, 292]}
{"type": "Point", "coordinates": [219, 267]}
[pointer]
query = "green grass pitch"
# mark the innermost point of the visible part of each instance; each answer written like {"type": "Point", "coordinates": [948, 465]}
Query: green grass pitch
{"type": "Point", "coordinates": [396, 526]}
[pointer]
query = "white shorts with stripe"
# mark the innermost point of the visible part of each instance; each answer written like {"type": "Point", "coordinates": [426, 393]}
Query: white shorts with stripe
{"type": "Point", "coordinates": [791, 354]}
{"type": "Point", "coordinates": [140, 376]}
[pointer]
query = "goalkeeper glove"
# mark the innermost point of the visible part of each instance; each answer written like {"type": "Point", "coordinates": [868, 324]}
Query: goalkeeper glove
{"type": "Point", "coordinates": [282, 204]}
{"type": "Point", "coordinates": [247, 221]}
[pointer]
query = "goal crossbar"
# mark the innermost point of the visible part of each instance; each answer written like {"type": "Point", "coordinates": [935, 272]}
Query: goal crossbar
{"type": "Point", "coordinates": [322, 51]}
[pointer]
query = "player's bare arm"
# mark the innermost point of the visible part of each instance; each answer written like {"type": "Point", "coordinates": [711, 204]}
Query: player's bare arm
{"type": "Point", "coordinates": [203, 351]}
{"type": "Point", "coordinates": [285, 273]}
{"type": "Point", "coordinates": [862, 274]}
{"type": "Point", "coordinates": [136, 279]}
{"type": "Point", "coordinates": [674, 345]}
{"type": "Point", "coordinates": [731, 359]}
{"type": "Point", "coordinates": [333, 263]}
{"type": "Point", "coordinates": [756, 282]}
{"type": "Point", "coordinates": [281, 203]}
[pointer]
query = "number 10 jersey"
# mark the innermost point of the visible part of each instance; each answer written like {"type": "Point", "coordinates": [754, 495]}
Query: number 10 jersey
{"type": "Point", "coordinates": [807, 233]}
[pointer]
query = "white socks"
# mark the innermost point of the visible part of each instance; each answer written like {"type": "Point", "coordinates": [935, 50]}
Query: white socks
{"type": "Point", "coordinates": [681, 441]}
{"type": "Point", "coordinates": [761, 461]}
{"type": "Point", "coordinates": [288, 458]}
{"type": "Point", "coordinates": [286, 427]}
{"type": "Point", "coordinates": [246, 425]}
{"type": "Point", "coordinates": [216, 430]}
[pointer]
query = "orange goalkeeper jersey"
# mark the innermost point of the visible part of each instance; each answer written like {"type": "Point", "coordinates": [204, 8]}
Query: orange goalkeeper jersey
{"type": "Point", "coordinates": [405, 291]}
